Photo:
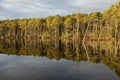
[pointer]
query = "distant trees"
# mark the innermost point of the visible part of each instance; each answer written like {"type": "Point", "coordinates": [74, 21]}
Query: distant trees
{"type": "Point", "coordinates": [68, 24]}
{"type": "Point", "coordinates": [106, 24]}
{"type": "Point", "coordinates": [56, 23]}
{"type": "Point", "coordinates": [94, 19]}
{"type": "Point", "coordinates": [111, 19]}
{"type": "Point", "coordinates": [49, 25]}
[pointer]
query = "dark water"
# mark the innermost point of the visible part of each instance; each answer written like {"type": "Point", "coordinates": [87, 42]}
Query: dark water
{"type": "Point", "coordinates": [59, 60]}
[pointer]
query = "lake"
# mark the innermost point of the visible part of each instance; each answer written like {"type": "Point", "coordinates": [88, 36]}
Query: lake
{"type": "Point", "coordinates": [59, 60]}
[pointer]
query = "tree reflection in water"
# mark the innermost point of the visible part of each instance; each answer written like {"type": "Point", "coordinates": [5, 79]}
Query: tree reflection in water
{"type": "Point", "coordinates": [95, 52]}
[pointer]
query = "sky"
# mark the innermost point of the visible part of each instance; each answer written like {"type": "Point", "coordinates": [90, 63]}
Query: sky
{"type": "Point", "coordinates": [11, 9]}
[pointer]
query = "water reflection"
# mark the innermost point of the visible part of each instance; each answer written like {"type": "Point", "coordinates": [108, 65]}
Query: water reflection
{"type": "Point", "coordinates": [75, 60]}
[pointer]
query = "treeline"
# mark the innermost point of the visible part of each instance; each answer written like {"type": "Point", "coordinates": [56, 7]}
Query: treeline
{"type": "Point", "coordinates": [77, 26]}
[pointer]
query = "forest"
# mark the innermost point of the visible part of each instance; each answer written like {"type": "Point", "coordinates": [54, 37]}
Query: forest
{"type": "Point", "coordinates": [96, 25]}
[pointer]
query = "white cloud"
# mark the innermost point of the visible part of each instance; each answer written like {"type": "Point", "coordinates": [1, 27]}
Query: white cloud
{"type": "Point", "coordinates": [41, 8]}
{"type": "Point", "coordinates": [92, 5]}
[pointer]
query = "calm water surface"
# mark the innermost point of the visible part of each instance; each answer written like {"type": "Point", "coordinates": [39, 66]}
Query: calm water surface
{"type": "Point", "coordinates": [59, 60]}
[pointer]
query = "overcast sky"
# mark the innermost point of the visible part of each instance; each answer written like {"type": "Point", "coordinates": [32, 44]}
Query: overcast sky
{"type": "Point", "coordinates": [10, 9]}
